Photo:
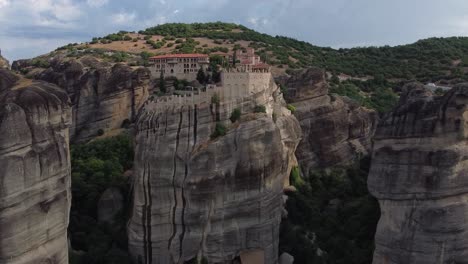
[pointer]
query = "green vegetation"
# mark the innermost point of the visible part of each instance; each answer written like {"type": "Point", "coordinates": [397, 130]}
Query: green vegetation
{"type": "Point", "coordinates": [220, 130]}
{"type": "Point", "coordinates": [97, 166]}
{"type": "Point", "coordinates": [162, 83]}
{"type": "Point", "coordinates": [426, 60]}
{"type": "Point", "coordinates": [120, 56]}
{"type": "Point", "coordinates": [295, 177]}
{"type": "Point", "coordinates": [41, 63]}
{"type": "Point", "coordinates": [331, 213]}
{"type": "Point", "coordinates": [291, 108]}
{"type": "Point", "coordinates": [235, 115]}
{"type": "Point", "coordinates": [215, 99]}
{"type": "Point", "coordinates": [201, 76]}
{"type": "Point", "coordinates": [375, 94]}
{"type": "Point", "coordinates": [259, 109]}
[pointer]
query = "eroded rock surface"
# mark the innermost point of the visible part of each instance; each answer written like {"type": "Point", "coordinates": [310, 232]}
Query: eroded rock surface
{"type": "Point", "coordinates": [214, 198]}
{"type": "Point", "coordinates": [4, 63]}
{"type": "Point", "coordinates": [104, 96]}
{"type": "Point", "coordinates": [419, 175]}
{"type": "Point", "coordinates": [35, 175]}
{"type": "Point", "coordinates": [336, 130]}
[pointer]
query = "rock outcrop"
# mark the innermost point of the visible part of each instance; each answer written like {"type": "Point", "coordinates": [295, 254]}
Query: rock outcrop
{"type": "Point", "coordinates": [110, 205]}
{"type": "Point", "coordinates": [336, 130]}
{"type": "Point", "coordinates": [104, 96]}
{"type": "Point", "coordinates": [4, 63]}
{"type": "Point", "coordinates": [35, 176]}
{"type": "Point", "coordinates": [419, 175]}
{"type": "Point", "coordinates": [212, 198]}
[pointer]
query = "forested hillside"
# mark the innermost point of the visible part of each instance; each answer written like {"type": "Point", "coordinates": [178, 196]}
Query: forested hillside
{"type": "Point", "coordinates": [426, 60]}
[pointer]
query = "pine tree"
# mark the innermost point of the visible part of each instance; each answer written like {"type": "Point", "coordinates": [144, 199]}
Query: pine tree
{"type": "Point", "coordinates": [201, 76]}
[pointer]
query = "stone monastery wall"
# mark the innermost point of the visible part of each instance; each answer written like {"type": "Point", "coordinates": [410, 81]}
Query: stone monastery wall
{"type": "Point", "coordinates": [235, 86]}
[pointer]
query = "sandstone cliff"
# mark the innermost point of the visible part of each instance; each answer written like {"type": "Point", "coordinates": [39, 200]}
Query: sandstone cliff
{"type": "Point", "coordinates": [419, 176]}
{"type": "Point", "coordinates": [104, 96]}
{"type": "Point", "coordinates": [35, 175]}
{"type": "Point", "coordinates": [336, 130]}
{"type": "Point", "coordinates": [221, 198]}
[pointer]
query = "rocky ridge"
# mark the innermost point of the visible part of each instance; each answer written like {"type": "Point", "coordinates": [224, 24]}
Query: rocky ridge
{"type": "Point", "coordinates": [105, 96]}
{"type": "Point", "coordinates": [35, 178]}
{"type": "Point", "coordinates": [418, 174]}
{"type": "Point", "coordinates": [215, 198]}
{"type": "Point", "coordinates": [336, 130]}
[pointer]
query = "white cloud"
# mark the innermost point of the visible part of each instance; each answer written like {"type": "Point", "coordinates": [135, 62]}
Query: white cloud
{"type": "Point", "coordinates": [97, 3]}
{"type": "Point", "coordinates": [176, 11]}
{"type": "Point", "coordinates": [253, 21]}
{"type": "Point", "coordinates": [123, 18]}
{"type": "Point", "coordinates": [44, 13]}
{"type": "Point", "coordinates": [4, 3]}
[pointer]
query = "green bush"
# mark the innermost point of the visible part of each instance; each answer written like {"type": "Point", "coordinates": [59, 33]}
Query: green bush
{"type": "Point", "coordinates": [235, 115]}
{"type": "Point", "coordinates": [260, 109]}
{"type": "Point", "coordinates": [291, 108]}
{"type": "Point", "coordinates": [100, 132]}
{"type": "Point", "coordinates": [215, 99]}
{"type": "Point", "coordinates": [220, 130]}
{"type": "Point", "coordinates": [295, 177]}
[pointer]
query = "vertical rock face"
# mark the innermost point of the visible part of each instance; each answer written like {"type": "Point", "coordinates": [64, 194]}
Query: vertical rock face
{"type": "Point", "coordinates": [104, 96]}
{"type": "Point", "coordinates": [217, 198]}
{"type": "Point", "coordinates": [336, 129]}
{"type": "Point", "coordinates": [419, 175]}
{"type": "Point", "coordinates": [35, 176]}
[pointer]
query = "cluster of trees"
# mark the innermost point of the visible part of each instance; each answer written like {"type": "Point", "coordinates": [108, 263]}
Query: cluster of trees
{"type": "Point", "coordinates": [331, 218]}
{"type": "Point", "coordinates": [375, 93]}
{"type": "Point", "coordinates": [97, 166]}
{"type": "Point", "coordinates": [426, 60]}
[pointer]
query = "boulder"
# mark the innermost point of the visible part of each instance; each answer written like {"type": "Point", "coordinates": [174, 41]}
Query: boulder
{"type": "Point", "coordinates": [110, 205]}
{"type": "Point", "coordinates": [285, 258]}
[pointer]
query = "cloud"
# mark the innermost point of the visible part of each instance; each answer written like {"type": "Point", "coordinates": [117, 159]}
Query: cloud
{"type": "Point", "coordinates": [337, 23]}
{"type": "Point", "coordinates": [97, 3]}
{"type": "Point", "coordinates": [4, 3]}
{"type": "Point", "coordinates": [122, 18]}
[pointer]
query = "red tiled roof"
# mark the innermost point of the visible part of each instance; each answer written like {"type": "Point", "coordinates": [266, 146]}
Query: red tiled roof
{"type": "Point", "coordinates": [180, 56]}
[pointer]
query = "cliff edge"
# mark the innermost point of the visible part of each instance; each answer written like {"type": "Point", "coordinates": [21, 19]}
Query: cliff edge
{"type": "Point", "coordinates": [35, 176]}
{"type": "Point", "coordinates": [218, 196]}
{"type": "Point", "coordinates": [419, 176]}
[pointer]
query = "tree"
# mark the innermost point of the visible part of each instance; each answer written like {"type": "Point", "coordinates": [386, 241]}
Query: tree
{"type": "Point", "coordinates": [162, 82]}
{"type": "Point", "coordinates": [235, 115]}
{"type": "Point", "coordinates": [201, 76]}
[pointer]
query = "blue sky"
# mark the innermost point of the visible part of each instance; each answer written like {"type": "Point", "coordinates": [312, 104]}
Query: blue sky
{"type": "Point", "coordinates": [32, 27]}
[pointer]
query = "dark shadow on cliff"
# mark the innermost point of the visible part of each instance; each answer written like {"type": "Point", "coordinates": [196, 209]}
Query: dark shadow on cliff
{"type": "Point", "coordinates": [331, 217]}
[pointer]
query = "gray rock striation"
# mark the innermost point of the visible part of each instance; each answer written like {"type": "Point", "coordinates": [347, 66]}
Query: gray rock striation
{"type": "Point", "coordinates": [336, 130]}
{"type": "Point", "coordinates": [419, 176]}
{"type": "Point", "coordinates": [216, 198]}
{"type": "Point", "coordinates": [104, 96]}
{"type": "Point", "coordinates": [35, 176]}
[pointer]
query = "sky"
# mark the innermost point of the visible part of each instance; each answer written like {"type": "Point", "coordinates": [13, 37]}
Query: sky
{"type": "Point", "coordinates": [32, 27]}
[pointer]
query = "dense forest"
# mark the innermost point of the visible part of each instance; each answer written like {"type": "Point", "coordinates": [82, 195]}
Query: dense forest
{"type": "Point", "coordinates": [331, 217]}
{"type": "Point", "coordinates": [97, 166]}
